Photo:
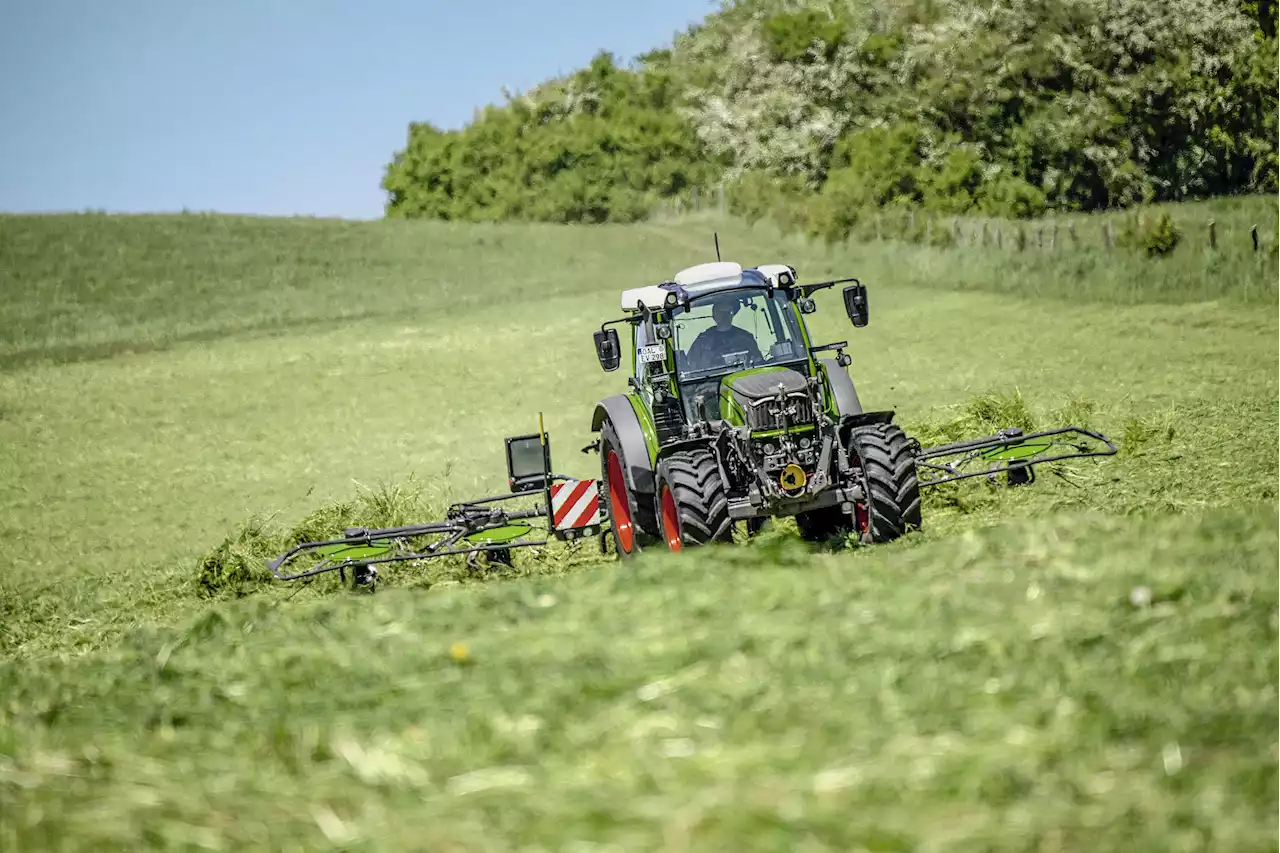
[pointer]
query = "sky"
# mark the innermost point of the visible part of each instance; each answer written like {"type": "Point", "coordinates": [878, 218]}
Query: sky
{"type": "Point", "coordinates": [270, 107]}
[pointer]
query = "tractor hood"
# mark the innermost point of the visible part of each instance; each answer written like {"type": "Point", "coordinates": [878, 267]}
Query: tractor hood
{"type": "Point", "coordinates": [750, 385]}
{"type": "Point", "coordinates": [750, 398]}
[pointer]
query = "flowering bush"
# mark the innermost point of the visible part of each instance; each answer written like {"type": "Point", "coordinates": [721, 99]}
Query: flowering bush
{"type": "Point", "coordinates": [1003, 107]}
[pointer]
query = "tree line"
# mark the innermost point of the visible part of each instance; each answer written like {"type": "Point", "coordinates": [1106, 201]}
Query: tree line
{"type": "Point", "coordinates": [818, 114]}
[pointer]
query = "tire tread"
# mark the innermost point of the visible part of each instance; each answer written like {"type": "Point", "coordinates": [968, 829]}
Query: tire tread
{"type": "Point", "coordinates": [700, 496]}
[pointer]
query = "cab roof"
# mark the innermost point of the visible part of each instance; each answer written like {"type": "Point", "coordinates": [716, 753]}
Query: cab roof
{"type": "Point", "coordinates": [707, 278]}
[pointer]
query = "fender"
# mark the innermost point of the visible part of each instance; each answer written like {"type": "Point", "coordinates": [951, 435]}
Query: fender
{"type": "Point", "coordinates": [618, 411]}
{"type": "Point", "coordinates": [685, 444]}
{"type": "Point", "coordinates": [848, 423]}
{"type": "Point", "coordinates": [842, 389]}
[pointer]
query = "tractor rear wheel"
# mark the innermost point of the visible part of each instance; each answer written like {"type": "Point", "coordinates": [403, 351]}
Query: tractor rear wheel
{"type": "Point", "coordinates": [888, 468]}
{"type": "Point", "coordinates": [884, 464]}
{"type": "Point", "coordinates": [631, 517]}
{"type": "Point", "coordinates": [693, 507]}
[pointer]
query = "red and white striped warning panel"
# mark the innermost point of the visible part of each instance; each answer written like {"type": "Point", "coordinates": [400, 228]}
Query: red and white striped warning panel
{"type": "Point", "coordinates": [575, 503]}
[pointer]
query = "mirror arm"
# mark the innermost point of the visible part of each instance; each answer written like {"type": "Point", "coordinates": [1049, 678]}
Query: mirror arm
{"type": "Point", "coordinates": [806, 289]}
{"type": "Point", "coordinates": [631, 320]}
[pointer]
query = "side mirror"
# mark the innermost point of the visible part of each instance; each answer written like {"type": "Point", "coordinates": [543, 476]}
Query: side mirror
{"type": "Point", "coordinates": [807, 305]}
{"type": "Point", "coordinates": [855, 303]}
{"type": "Point", "coordinates": [608, 350]}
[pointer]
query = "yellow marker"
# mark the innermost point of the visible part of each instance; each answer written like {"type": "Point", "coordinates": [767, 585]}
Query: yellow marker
{"type": "Point", "coordinates": [793, 477]}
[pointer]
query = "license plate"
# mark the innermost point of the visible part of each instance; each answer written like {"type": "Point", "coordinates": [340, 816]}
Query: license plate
{"type": "Point", "coordinates": [653, 352]}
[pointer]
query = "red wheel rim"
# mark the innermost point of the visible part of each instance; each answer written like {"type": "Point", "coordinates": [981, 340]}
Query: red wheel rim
{"type": "Point", "coordinates": [861, 517]}
{"type": "Point", "coordinates": [670, 521]}
{"type": "Point", "coordinates": [619, 508]}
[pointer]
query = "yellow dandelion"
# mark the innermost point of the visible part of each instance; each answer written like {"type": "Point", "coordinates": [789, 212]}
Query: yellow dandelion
{"type": "Point", "coordinates": [459, 652]}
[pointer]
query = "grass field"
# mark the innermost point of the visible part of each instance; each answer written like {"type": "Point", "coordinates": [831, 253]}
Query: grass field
{"type": "Point", "coordinates": [1088, 664]}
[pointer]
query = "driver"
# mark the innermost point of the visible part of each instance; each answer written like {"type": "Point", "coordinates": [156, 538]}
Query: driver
{"type": "Point", "coordinates": [710, 347]}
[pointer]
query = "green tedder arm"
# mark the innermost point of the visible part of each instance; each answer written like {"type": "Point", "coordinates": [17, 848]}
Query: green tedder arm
{"type": "Point", "coordinates": [1008, 450]}
{"type": "Point", "coordinates": [564, 508]}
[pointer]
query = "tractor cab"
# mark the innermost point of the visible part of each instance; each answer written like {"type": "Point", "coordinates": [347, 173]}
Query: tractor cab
{"type": "Point", "coordinates": [718, 332]}
{"type": "Point", "coordinates": [752, 329]}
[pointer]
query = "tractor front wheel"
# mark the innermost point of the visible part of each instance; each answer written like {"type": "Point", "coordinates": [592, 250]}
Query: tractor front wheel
{"type": "Point", "coordinates": [693, 508]}
{"type": "Point", "coordinates": [631, 517]}
{"type": "Point", "coordinates": [881, 457]}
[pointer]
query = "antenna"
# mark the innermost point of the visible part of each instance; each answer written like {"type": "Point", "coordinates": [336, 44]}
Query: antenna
{"type": "Point", "coordinates": [717, 245]}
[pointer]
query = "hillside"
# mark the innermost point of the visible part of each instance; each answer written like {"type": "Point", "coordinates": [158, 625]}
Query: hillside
{"type": "Point", "coordinates": [959, 107]}
{"type": "Point", "coordinates": [1089, 663]}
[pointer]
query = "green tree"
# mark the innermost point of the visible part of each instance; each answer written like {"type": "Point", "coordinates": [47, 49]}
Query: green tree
{"type": "Point", "coordinates": [600, 145]}
{"type": "Point", "coordinates": [1005, 107]}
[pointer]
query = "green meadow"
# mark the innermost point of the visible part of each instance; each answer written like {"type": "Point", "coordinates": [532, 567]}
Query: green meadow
{"type": "Point", "coordinates": [1086, 664]}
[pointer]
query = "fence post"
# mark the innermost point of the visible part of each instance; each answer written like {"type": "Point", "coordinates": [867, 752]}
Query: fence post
{"type": "Point", "coordinates": [955, 230]}
{"type": "Point", "coordinates": [1039, 236]}
{"type": "Point", "coordinates": [999, 242]}
{"type": "Point", "coordinates": [1053, 237]}
{"type": "Point", "coordinates": [1254, 233]}
{"type": "Point", "coordinates": [984, 235]}
{"type": "Point", "coordinates": [1213, 234]}
{"type": "Point", "coordinates": [1075, 238]}
{"type": "Point", "coordinates": [1106, 235]}
{"type": "Point", "coordinates": [694, 202]}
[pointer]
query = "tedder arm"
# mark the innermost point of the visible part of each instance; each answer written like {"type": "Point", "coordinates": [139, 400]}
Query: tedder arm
{"type": "Point", "coordinates": [568, 509]}
{"type": "Point", "coordinates": [1008, 450]}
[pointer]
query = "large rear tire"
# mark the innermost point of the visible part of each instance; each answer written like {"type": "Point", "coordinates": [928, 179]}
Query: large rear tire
{"type": "Point", "coordinates": [692, 504]}
{"type": "Point", "coordinates": [882, 458]}
{"type": "Point", "coordinates": [888, 464]}
{"type": "Point", "coordinates": [632, 524]}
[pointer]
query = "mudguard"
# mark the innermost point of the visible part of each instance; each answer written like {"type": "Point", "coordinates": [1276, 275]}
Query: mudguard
{"type": "Point", "coordinates": [639, 468]}
{"type": "Point", "coordinates": [847, 402]}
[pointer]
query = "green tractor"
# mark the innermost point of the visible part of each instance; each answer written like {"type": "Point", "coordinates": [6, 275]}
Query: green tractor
{"type": "Point", "coordinates": [735, 415]}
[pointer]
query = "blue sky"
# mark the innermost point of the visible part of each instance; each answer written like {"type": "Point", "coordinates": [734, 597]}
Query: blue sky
{"type": "Point", "coordinates": [272, 107]}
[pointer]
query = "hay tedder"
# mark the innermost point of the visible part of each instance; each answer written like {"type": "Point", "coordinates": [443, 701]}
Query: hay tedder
{"type": "Point", "coordinates": [732, 415]}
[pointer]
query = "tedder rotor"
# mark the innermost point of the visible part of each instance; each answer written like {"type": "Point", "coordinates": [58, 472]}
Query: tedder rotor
{"type": "Point", "coordinates": [564, 508]}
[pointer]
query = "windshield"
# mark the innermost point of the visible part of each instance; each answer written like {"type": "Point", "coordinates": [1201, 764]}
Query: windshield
{"type": "Point", "coordinates": [724, 332]}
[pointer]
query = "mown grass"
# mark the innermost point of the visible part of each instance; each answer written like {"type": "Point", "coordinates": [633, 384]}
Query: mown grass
{"type": "Point", "coordinates": [1071, 682]}
{"type": "Point", "coordinates": [96, 285]}
{"type": "Point", "coordinates": [1088, 663]}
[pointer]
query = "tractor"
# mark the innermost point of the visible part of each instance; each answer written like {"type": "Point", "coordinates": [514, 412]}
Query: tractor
{"type": "Point", "coordinates": [733, 414]}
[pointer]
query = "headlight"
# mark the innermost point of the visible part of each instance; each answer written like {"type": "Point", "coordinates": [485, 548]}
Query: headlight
{"type": "Point", "coordinates": [805, 442]}
{"type": "Point", "coordinates": [770, 448]}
